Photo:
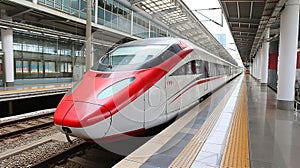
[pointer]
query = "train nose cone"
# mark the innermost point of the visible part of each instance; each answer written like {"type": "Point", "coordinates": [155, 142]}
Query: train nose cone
{"type": "Point", "coordinates": [86, 120]}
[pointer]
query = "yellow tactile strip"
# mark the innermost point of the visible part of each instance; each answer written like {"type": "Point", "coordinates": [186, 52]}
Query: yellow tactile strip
{"type": "Point", "coordinates": [236, 152]}
{"type": "Point", "coordinates": [190, 152]}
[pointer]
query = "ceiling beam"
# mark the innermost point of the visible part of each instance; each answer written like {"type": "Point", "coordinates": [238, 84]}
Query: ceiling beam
{"type": "Point", "coordinates": [164, 12]}
{"type": "Point", "coordinates": [17, 13]}
{"type": "Point", "coordinates": [243, 20]}
{"type": "Point", "coordinates": [243, 30]}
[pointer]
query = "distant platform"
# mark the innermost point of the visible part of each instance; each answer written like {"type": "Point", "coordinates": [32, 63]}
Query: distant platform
{"type": "Point", "coordinates": [33, 90]}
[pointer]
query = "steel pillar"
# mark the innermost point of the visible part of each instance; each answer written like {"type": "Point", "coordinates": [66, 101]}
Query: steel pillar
{"type": "Point", "coordinates": [265, 59]}
{"type": "Point", "coordinates": [7, 48]}
{"type": "Point", "coordinates": [288, 42]}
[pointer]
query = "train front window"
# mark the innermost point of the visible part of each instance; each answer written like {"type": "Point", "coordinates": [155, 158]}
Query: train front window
{"type": "Point", "coordinates": [131, 55]}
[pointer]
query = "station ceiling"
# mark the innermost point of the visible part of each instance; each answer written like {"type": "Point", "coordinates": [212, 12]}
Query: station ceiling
{"type": "Point", "coordinates": [178, 17]}
{"type": "Point", "coordinates": [249, 20]}
{"type": "Point", "coordinates": [174, 14]}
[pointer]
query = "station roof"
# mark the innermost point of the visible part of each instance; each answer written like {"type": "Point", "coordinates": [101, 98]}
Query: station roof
{"type": "Point", "coordinates": [178, 17]}
{"type": "Point", "coordinates": [174, 14]}
{"type": "Point", "coordinates": [249, 20]}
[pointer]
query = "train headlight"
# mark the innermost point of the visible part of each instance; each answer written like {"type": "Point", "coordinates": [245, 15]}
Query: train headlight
{"type": "Point", "coordinates": [116, 87]}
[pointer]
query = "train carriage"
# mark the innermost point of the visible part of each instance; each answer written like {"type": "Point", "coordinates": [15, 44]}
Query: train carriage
{"type": "Point", "coordinates": [139, 85]}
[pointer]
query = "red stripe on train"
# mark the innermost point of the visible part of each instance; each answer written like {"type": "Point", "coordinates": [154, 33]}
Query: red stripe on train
{"type": "Point", "coordinates": [197, 83]}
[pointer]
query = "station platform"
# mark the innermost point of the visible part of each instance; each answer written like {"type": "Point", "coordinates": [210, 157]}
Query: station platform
{"type": "Point", "coordinates": [237, 126]}
{"type": "Point", "coordinates": [33, 90]}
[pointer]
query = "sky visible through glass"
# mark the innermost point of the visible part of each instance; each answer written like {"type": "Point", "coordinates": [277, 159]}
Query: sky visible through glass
{"type": "Point", "coordinates": [214, 28]}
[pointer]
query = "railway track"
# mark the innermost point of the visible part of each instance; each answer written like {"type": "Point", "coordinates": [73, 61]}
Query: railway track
{"type": "Point", "coordinates": [16, 127]}
{"type": "Point", "coordinates": [35, 142]}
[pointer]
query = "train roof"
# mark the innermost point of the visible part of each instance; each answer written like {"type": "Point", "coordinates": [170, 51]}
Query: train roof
{"type": "Point", "coordinates": [153, 41]}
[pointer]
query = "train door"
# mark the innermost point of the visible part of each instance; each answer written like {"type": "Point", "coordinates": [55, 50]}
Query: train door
{"type": "Point", "coordinates": [155, 104]}
{"type": "Point", "coordinates": [173, 102]}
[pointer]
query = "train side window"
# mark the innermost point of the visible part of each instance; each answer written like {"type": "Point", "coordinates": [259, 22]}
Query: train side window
{"type": "Point", "coordinates": [193, 66]}
{"type": "Point", "coordinates": [172, 50]}
{"type": "Point", "coordinates": [206, 69]}
{"type": "Point", "coordinates": [219, 69]}
{"type": "Point", "coordinates": [202, 69]}
{"type": "Point", "coordinates": [179, 71]}
{"type": "Point", "coordinates": [198, 66]}
{"type": "Point", "coordinates": [213, 69]}
{"type": "Point", "coordinates": [189, 68]}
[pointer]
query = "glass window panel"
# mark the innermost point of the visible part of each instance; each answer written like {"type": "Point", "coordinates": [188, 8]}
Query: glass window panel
{"type": "Point", "coordinates": [49, 67]}
{"type": "Point", "coordinates": [50, 3]}
{"type": "Point", "coordinates": [100, 13]}
{"type": "Point", "coordinates": [189, 68]}
{"type": "Point", "coordinates": [62, 67]}
{"type": "Point", "coordinates": [83, 5]}
{"type": "Point", "coordinates": [66, 67]}
{"type": "Point", "coordinates": [180, 71]}
{"type": "Point", "coordinates": [69, 67]}
{"type": "Point", "coordinates": [52, 66]}
{"type": "Point", "coordinates": [46, 67]}
{"type": "Point", "coordinates": [18, 66]}
{"type": "Point", "coordinates": [58, 4]}
{"type": "Point", "coordinates": [1, 66]}
{"type": "Point", "coordinates": [107, 16]}
{"type": "Point", "coordinates": [66, 3]}
{"type": "Point", "coordinates": [75, 4]}
{"type": "Point", "coordinates": [34, 67]}
{"type": "Point", "coordinates": [132, 54]}
{"type": "Point", "coordinates": [25, 67]}
{"type": "Point", "coordinates": [40, 67]}
{"type": "Point", "coordinates": [83, 15]}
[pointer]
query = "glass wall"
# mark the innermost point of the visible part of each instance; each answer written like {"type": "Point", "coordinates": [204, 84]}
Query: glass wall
{"type": "Point", "coordinates": [111, 14]}
{"type": "Point", "coordinates": [38, 56]}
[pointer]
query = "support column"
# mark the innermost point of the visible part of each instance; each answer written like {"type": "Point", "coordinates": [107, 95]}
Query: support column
{"type": "Point", "coordinates": [259, 64]}
{"type": "Point", "coordinates": [7, 47]}
{"type": "Point", "coordinates": [288, 42]}
{"type": "Point", "coordinates": [254, 68]}
{"type": "Point", "coordinates": [265, 59]}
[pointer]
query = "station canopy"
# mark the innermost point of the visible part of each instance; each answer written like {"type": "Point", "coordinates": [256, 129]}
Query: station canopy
{"type": "Point", "coordinates": [179, 18]}
{"type": "Point", "coordinates": [249, 20]}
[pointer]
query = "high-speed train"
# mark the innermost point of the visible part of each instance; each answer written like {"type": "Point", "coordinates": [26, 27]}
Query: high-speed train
{"type": "Point", "coordinates": [139, 85]}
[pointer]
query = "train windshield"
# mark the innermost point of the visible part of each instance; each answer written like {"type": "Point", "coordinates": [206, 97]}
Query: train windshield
{"type": "Point", "coordinates": [131, 55]}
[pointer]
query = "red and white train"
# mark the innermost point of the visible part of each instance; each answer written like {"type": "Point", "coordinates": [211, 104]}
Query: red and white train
{"type": "Point", "coordinates": [139, 85]}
